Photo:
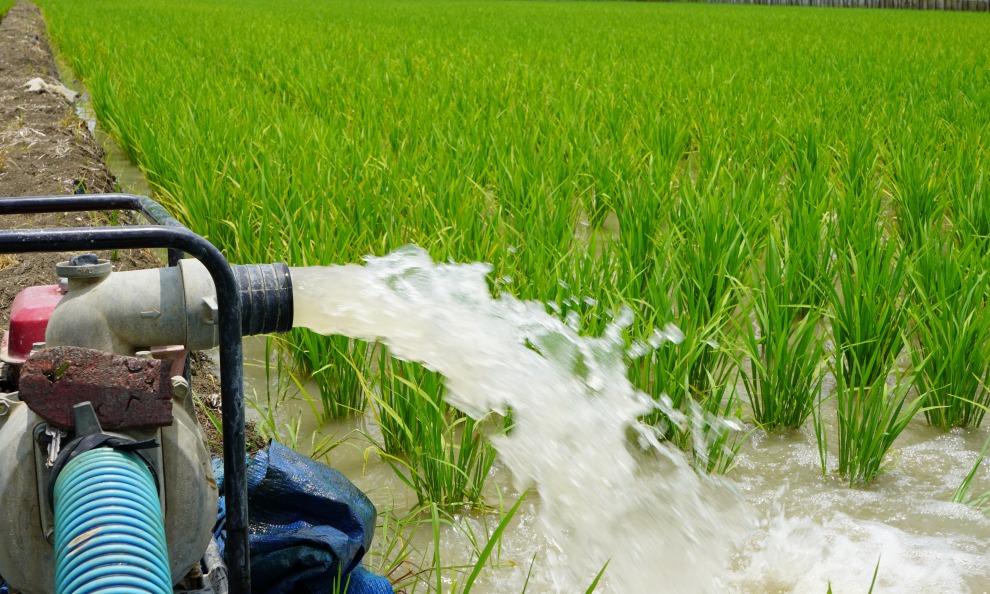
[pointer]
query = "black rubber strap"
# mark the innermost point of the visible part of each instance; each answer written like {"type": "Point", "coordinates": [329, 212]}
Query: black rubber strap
{"type": "Point", "coordinates": [83, 444]}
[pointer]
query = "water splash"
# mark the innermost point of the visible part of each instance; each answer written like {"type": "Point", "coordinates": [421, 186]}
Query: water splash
{"type": "Point", "coordinates": [609, 491]}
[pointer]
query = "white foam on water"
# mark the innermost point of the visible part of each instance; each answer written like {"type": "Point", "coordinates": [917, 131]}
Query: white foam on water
{"type": "Point", "coordinates": [817, 531]}
{"type": "Point", "coordinates": [801, 554]}
{"type": "Point", "coordinates": [661, 527]}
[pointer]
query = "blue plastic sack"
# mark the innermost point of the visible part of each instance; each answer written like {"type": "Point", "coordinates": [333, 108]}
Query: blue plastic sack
{"type": "Point", "coordinates": [308, 526]}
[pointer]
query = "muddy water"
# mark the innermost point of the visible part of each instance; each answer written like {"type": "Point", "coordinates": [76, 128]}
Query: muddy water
{"type": "Point", "coordinates": [814, 530]}
{"type": "Point", "coordinates": [777, 525]}
{"type": "Point", "coordinates": [809, 530]}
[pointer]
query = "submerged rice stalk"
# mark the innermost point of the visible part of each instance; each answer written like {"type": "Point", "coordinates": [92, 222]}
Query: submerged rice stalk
{"type": "Point", "coordinates": [871, 415]}
{"type": "Point", "coordinates": [336, 365]}
{"type": "Point", "coordinates": [441, 453]}
{"type": "Point", "coordinates": [980, 502]}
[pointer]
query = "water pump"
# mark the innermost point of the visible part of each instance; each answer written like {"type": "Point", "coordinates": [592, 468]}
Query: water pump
{"type": "Point", "coordinates": [104, 476]}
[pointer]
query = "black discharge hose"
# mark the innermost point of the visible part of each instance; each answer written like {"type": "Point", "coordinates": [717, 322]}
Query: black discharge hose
{"type": "Point", "coordinates": [266, 297]}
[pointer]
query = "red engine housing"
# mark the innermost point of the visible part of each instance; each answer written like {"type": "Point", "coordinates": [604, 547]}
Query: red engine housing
{"type": "Point", "coordinates": [29, 317]}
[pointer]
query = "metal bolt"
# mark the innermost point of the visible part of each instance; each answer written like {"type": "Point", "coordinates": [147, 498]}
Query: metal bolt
{"type": "Point", "coordinates": [143, 354]}
{"type": "Point", "coordinates": [180, 387]}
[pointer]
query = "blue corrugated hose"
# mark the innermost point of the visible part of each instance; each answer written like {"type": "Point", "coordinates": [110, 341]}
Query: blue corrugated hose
{"type": "Point", "coordinates": [109, 530]}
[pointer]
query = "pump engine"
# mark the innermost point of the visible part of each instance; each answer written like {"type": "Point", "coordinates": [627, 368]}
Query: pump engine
{"type": "Point", "coordinates": [102, 461]}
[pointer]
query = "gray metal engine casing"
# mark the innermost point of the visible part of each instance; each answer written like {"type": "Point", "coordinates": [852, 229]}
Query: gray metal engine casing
{"type": "Point", "coordinates": [27, 558]}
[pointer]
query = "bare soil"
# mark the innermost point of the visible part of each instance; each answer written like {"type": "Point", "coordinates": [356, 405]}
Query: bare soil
{"type": "Point", "coordinates": [45, 149]}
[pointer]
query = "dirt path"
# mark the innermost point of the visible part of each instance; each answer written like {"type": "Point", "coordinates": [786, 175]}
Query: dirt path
{"type": "Point", "coordinates": [44, 149]}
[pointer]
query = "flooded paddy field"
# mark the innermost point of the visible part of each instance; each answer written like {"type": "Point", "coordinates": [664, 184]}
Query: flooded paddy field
{"type": "Point", "coordinates": [661, 195]}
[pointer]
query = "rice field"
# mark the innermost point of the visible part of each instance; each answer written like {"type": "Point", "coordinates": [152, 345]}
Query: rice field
{"type": "Point", "coordinates": [794, 193]}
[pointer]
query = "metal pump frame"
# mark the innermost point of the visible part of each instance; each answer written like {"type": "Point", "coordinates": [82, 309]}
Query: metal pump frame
{"type": "Point", "coordinates": [165, 232]}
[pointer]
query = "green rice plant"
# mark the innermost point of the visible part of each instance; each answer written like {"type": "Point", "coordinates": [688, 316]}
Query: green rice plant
{"type": "Point", "coordinates": [699, 428]}
{"type": "Point", "coordinates": [715, 437]}
{"type": "Point", "coordinates": [583, 288]}
{"type": "Point", "coordinates": [919, 193]}
{"type": "Point", "coordinates": [873, 582]}
{"type": "Point", "coordinates": [396, 405]}
{"type": "Point", "coordinates": [713, 254]}
{"type": "Point", "coordinates": [866, 303]}
{"type": "Point", "coordinates": [858, 202]}
{"type": "Point", "coordinates": [712, 259]}
{"type": "Point", "coordinates": [495, 538]}
{"type": "Point", "coordinates": [644, 240]}
{"type": "Point", "coordinates": [278, 379]}
{"type": "Point", "coordinates": [411, 569]}
{"type": "Point", "coordinates": [655, 336]}
{"type": "Point", "coordinates": [961, 495]}
{"type": "Point", "coordinates": [871, 414]}
{"type": "Point", "coordinates": [699, 424]}
{"type": "Point", "coordinates": [951, 325]}
{"type": "Point", "coordinates": [662, 373]}
{"type": "Point", "coordinates": [809, 261]}
{"type": "Point", "coordinates": [970, 188]}
{"type": "Point", "coordinates": [868, 311]}
{"type": "Point", "coordinates": [440, 453]}
{"type": "Point", "coordinates": [393, 553]}
{"type": "Point", "coordinates": [683, 365]}
{"type": "Point", "coordinates": [335, 364]}
{"type": "Point", "coordinates": [821, 434]}
{"type": "Point", "coordinates": [214, 438]}
{"type": "Point", "coordinates": [785, 349]}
